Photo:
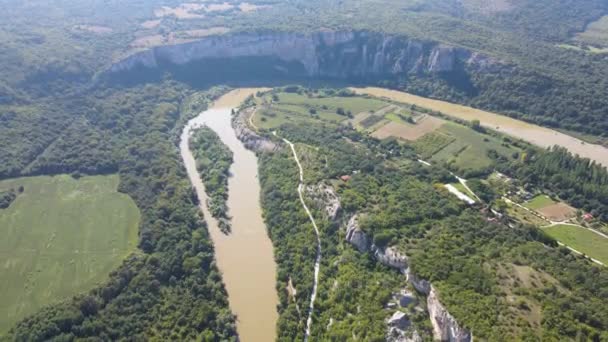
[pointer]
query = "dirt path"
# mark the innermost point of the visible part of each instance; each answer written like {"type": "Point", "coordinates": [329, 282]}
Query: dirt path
{"type": "Point", "coordinates": [313, 295]}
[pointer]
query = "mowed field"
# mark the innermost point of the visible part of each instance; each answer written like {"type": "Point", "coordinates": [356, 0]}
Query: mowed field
{"type": "Point", "coordinates": [552, 210]}
{"type": "Point", "coordinates": [60, 237]}
{"type": "Point", "coordinates": [461, 146]}
{"type": "Point", "coordinates": [297, 108]}
{"type": "Point", "coordinates": [581, 239]}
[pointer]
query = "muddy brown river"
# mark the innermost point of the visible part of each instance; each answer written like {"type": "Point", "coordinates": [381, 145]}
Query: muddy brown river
{"type": "Point", "coordinates": [537, 135]}
{"type": "Point", "coordinates": [245, 256]}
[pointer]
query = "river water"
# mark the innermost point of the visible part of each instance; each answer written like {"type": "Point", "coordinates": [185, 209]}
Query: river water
{"type": "Point", "coordinates": [245, 256]}
{"type": "Point", "coordinates": [537, 135]}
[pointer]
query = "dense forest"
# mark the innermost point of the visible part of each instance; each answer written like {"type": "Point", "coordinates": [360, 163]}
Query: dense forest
{"type": "Point", "coordinates": [579, 181]}
{"type": "Point", "coordinates": [213, 160]}
{"type": "Point", "coordinates": [152, 294]}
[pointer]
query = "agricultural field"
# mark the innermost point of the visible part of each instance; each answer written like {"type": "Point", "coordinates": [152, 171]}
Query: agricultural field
{"type": "Point", "coordinates": [524, 216]}
{"type": "Point", "coordinates": [297, 108]}
{"type": "Point", "coordinates": [539, 202]}
{"type": "Point", "coordinates": [398, 128]}
{"type": "Point", "coordinates": [581, 239]}
{"type": "Point", "coordinates": [468, 152]}
{"type": "Point", "coordinates": [60, 237]}
{"type": "Point", "coordinates": [552, 210]}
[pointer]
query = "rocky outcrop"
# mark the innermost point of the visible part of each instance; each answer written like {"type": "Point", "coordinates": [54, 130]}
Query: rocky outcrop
{"type": "Point", "coordinates": [326, 198]}
{"type": "Point", "coordinates": [445, 327]}
{"type": "Point", "coordinates": [355, 236]}
{"type": "Point", "coordinates": [327, 54]}
{"type": "Point", "coordinates": [250, 139]}
{"type": "Point", "coordinates": [391, 258]}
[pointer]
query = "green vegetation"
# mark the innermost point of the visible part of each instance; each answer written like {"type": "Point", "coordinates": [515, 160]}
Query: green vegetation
{"type": "Point", "coordinates": [7, 197]}
{"type": "Point", "coordinates": [539, 202]}
{"type": "Point", "coordinates": [462, 189]}
{"type": "Point", "coordinates": [294, 104]}
{"type": "Point", "coordinates": [581, 239]}
{"type": "Point", "coordinates": [370, 121]}
{"type": "Point", "coordinates": [468, 153]}
{"type": "Point", "coordinates": [61, 237]}
{"type": "Point", "coordinates": [478, 267]}
{"type": "Point", "coordinates": [432, 143]}
{"type": "Point", "coordinates": [213, 160]}
{"type": "Point", "coordinates": [152, 293]}
{"type": "Point", "coordinates": [579, 181]}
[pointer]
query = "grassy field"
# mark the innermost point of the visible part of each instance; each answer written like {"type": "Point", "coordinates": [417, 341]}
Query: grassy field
{"type": "Point", "coordinates": [300, 109]}
{"type": "Point", "coordinates": [355, 104]}
{"type": "Point", "coordinates": [581, 239]}
{"type": "Point", "coordinates": [469, 149]}
{"type": "Point", "coordinates": [539, 202]}
{"type": "Point", "coordinates": [60, 237]}
{"type": "Point", "coordinates": [464, 190]}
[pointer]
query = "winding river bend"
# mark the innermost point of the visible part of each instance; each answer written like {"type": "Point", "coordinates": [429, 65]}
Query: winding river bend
{"type": "Point", "coordinates": [245, 257]}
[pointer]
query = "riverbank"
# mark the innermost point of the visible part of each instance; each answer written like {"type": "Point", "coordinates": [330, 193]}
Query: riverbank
{"type": "Point", "coordinates": [245, 257]}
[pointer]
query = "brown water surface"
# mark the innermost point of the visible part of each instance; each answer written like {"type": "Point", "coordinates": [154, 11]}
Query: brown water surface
{"type": "Point", "coordinates": [245, 257]}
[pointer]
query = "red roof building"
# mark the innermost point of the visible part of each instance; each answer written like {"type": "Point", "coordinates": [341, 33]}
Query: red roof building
{"type": "Point", "coordinates": [587, 217]}
{"type": "Point", "coordinates": [345, 178]}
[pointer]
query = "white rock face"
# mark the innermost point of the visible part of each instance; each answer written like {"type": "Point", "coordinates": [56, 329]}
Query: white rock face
{"type": "Point", "coordinates": [445, 327]}
{"type": "Point", "coordinates": [355, 236]}
{"type": "Point", "coordinates": [327, 198]}
{"type": "Point", "coordinates": [250, 139]}
{"type": "Point", "coordinates": [399, 320]}
{"type": "Point", "coordinates": [337, 54]}
{"type": "Point", "coordinates": [392, 258]}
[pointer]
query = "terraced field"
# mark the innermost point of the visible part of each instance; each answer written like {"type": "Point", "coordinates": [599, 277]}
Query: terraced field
{"type": "Point", "coordinates": [60, 237]}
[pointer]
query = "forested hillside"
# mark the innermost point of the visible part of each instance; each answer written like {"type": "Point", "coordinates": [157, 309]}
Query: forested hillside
{"type": "Point", "coordinates": [62, 112]}
{"type": "Point", "coordinates": [498, 281]}
{"type": "Point", "coordinates": [152, 293]}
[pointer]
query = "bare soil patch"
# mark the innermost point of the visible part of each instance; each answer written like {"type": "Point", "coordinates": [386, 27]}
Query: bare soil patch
{"type": "Point", "coordinates": [557, 212]}
{"type": "Point", "coordinates": [424, 125]}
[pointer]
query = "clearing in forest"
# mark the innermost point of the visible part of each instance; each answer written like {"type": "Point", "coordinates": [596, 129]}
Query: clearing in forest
{"type": "Point", "coordinates": [581, 239]}
{"type": "Point", "coordinates": [552, 210]}
{"type": "Point", "coordinates": [596, 33]}
{"type": "Point", "coordinates": [61, 237]}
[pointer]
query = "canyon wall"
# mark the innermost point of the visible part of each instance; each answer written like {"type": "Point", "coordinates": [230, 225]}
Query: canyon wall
{"type": "Point", "coordinates": [328, 54]}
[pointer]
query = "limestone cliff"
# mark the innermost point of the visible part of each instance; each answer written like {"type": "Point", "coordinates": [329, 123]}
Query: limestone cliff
{"type": "Point", "coordinates": [327, 54]}
{"type": "Point", "coordinates": [445, 326]}
{"type": "Point", "coordinates": [250, 139]}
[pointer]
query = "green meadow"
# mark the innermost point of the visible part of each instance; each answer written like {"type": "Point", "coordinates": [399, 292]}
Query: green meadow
{"type": "Point", "coordinates": [539, 202]}
{"type": "Point", "coordinates": [60, 237]}
{"type": "Point", "coordinates": [581, 239]}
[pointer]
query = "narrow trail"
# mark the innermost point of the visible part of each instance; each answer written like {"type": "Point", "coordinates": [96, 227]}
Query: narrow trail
{"type": "Point", "coordinates": [313, 295]}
